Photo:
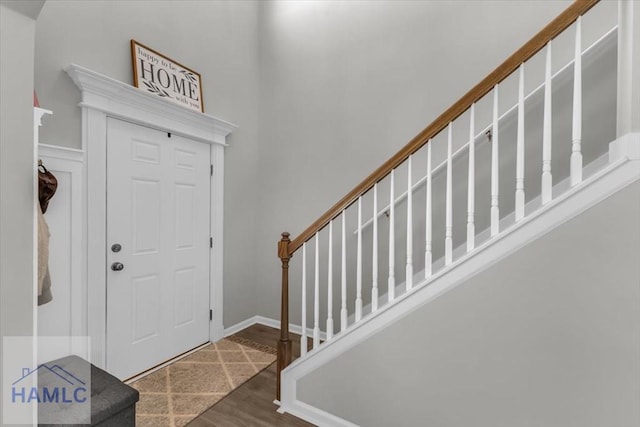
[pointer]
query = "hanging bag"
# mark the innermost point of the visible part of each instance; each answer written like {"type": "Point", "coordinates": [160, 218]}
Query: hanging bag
{"type": "Point", "coordinates": [47, 186]}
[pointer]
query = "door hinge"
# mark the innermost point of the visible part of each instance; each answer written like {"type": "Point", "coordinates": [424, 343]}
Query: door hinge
{"type": "Point", "coordinates": [210, 314]}
{"type": "Point", "coordinates": [211, 170]}
{"type": "Point", "coordinates": [211, 242]}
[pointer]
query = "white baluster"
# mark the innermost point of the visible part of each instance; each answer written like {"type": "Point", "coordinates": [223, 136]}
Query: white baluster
{"type": "Point", "coordinates": [448, 234]}
{"type": "Point", "coordinates": [316, 297]}
{"type": "Point", "coordinates": [471, 228]}
{"type": "Point", "coordinates": [359, 264]}
{"type": "Point", "coordinates": [547, 180]}
{"type": "Point", "coordinates": [330, 285]}
{"type": "Point", "coordinates": [520, 149]}
{"type": "Point", "coordinates": [303, 320]}
{"type": "Point", "coordinates": [495, 166]}
{"type": "Point", "coordinates": [374, 272]}
{"type": "Point", "coordinates": [428, 254]}
{"type": "Point", "coordinates": [576, 133]}
{"type": "Point", "coordinates": [409, 269]}
{"type": "Point", "coordinates": [391, 292]}
{"type": "Point", "coordinates": [343, 275]}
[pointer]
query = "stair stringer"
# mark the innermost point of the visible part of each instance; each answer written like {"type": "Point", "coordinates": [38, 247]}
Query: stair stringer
{"type": "Point", "coordinates": [623, 169]}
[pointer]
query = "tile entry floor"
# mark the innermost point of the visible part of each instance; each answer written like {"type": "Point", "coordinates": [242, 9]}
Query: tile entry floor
{"type": "Point", "coordinates": [176, 394]}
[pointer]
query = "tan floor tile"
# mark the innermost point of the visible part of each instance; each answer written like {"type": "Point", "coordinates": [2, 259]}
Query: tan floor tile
{"type": "Point", "coordinates": [198, 378]}
{"type": "Point", "coordinates": [240, 372]}
{"type": "Point", "coordinates": [152, 404]}
{"type": "Point", "coordinates": [233, 357]}
{"type": "Point", "coordinates": [155, 382]}
{"type": "Point", "coordinates": [210, 347]}
{"type": "Point", "coordinates": [149, 421]}
{"type": "Point", "coordinates": [259, 356]}
{"type": "Point", "coordinates": [227, 345]}
{"type": "Point", "coordinates": [202, 356]}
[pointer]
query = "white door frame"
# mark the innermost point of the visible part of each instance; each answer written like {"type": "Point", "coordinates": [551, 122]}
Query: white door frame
{"type": "Point", "coordinates": [104, 97]}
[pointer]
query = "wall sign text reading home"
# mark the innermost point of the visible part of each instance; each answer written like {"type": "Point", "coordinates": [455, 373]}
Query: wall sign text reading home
{"type": "Point", "coordinates": [163, 77]}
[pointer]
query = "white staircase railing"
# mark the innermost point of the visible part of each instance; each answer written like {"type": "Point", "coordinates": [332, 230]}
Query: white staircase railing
{"type": "Point", "coordinates": [464, 194]}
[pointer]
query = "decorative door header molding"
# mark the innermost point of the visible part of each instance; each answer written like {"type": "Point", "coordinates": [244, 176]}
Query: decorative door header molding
{"type": "Point", "coordinates": [104, 98]}
{"type": "Point", "coordinates": [117, 99]}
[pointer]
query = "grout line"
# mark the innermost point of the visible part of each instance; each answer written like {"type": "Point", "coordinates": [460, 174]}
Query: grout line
{"type": "Point", "coordinates": [224, 368]}
{"type": "Point", "coordinates": [255, 369]}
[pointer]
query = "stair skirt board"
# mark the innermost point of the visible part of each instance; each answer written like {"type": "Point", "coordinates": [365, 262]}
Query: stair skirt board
{"type": "Point", "coordinates": [316, 416]}
{"type": "Point", "coordinates": [623, 169]}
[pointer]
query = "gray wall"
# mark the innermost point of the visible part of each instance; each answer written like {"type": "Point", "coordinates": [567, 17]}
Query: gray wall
{"type": "Point", "coordinates": [323, 93]}
{"type": "Point", "coordinates": [549, 336]}
{"type": "Point", "coordinates": [346, 84]}
{"type": "Point", "coordinates": [17, 34]}
{"type": "Point", "coordinates": [217, 39]}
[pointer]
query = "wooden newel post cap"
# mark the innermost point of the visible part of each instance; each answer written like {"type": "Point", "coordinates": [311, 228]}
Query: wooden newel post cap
{"type": "Point", "coordinates": [283, 246]}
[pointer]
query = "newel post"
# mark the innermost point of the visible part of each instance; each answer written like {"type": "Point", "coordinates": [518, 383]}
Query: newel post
{"type": "Point", "coordinates": [284, 344]}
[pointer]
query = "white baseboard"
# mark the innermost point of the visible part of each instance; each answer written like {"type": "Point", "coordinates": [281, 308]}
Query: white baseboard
{"type": "Point", "coordinates": [273, 323]}
{"type": "Point", "coordinates": [240, 326]}
{"type": "Point", "coordinates": [316, 416]}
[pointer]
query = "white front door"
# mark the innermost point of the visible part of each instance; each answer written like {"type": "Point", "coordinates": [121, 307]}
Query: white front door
{"type": "Point", "coordinates": [158, 190]}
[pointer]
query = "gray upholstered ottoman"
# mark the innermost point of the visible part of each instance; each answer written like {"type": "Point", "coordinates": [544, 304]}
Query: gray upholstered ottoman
{"type": "Point", "coordinates": [113, 403]}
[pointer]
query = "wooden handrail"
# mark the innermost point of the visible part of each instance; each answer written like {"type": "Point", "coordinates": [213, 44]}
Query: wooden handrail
{"type": "Point", "coordinates": [548, 33]}
{"type": "Point", "coordinates": [287, 247]}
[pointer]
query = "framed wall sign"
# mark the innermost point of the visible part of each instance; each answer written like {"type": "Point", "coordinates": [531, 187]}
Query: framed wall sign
{"type": "Point", "coordinates": [166, 78]}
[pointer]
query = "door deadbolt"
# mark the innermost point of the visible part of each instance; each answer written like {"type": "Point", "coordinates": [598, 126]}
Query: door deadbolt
{"type": "Point", "coordinates": [117, 266]}
{"type": "Point", "coordinates": [116, 247]}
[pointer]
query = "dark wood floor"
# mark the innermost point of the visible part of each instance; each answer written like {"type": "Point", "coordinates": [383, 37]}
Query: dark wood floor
{"type": "Point", "coordinates": [251, 404]}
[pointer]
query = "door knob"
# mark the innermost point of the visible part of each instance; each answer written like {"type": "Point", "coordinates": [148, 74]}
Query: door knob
{"type": "Point", "coordinates": [117, 266]}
